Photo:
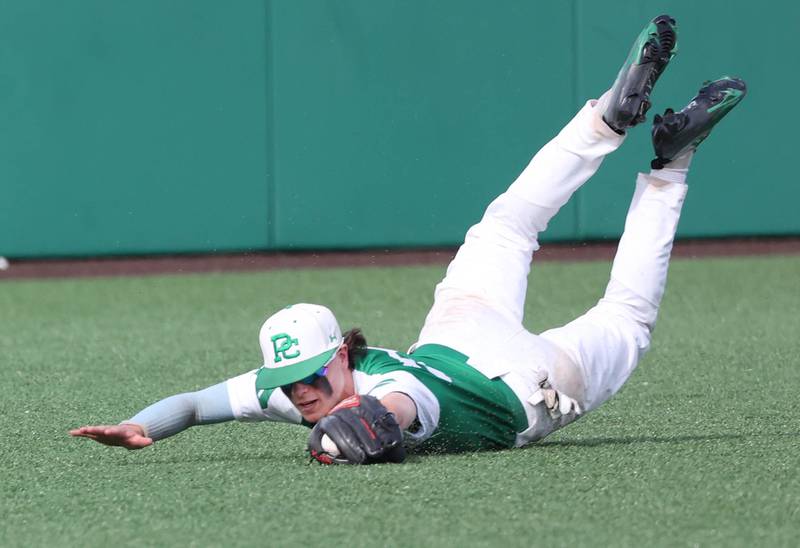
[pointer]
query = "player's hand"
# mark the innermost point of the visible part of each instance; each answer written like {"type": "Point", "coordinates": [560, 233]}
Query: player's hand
{"type": "Point", "coordinates": [129, 436]}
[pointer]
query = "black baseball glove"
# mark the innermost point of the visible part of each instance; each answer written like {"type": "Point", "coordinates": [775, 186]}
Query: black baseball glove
{"type": "Point", "coordinates": [364, 431]}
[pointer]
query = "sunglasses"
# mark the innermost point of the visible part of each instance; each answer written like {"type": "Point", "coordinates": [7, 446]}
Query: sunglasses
{"type": "Point", "coordinates": [321, 372]}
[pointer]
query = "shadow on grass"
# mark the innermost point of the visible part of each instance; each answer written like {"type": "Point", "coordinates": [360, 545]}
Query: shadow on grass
{"type": "Point", "coordinates": [228, 458]}
{"type": "Point", "coordinates": [420, 457]}
{"type": "Point", "coordinates": [595, 442]}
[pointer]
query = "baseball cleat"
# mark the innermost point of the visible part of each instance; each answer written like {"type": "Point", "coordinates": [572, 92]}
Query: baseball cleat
{"type": "Point", "coordinates": [629, 97]}
{"type": "Point", "coordinates": [675, 133]}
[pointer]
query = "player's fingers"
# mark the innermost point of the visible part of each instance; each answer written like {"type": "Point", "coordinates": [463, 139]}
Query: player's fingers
{"type": "Point", "coordinates": [84, 432]}
{"type": "Point", "coordinates": [90, 429]}
{"type": "Point", "coordinates": [99, 439]}
{"type": "Point", "coordinates": [114, 441]}
{"type": "Point", "coordinates": [120, 433]}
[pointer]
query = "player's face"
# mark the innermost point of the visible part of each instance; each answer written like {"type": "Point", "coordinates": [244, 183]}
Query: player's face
{"type": "Point", "coordinates": [315, 400]}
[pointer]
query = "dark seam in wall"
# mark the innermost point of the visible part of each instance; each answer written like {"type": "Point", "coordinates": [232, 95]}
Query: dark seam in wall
{"type": "Point", "coordinates": [576, 100]}
{"type": "Point", "coordinates": [269, 99]}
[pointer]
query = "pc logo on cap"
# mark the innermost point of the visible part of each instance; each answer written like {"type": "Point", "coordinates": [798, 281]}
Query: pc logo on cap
{"type": "Point", "coordinates": [296, 342]}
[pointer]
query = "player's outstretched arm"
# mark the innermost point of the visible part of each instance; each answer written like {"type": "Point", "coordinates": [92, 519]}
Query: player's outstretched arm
{"type": "Point", "coordinates": [164, 418]}
{"type": "Point", "coordinates": [129, 436]}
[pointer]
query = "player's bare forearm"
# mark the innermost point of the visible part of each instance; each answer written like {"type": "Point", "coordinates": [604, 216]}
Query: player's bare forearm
{"type": "Point", "coordinates": [403, 408]}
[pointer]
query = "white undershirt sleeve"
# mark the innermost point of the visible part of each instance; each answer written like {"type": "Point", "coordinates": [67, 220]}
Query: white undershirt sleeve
{"type": "Point", "coordinates": [247, 407]}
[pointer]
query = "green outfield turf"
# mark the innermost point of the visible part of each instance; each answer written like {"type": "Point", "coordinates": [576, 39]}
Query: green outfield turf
{"type": "Point", "coordinates": [700, 448]}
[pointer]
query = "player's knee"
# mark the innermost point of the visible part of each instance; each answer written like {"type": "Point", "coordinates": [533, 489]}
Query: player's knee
{"type": "Point", "coordinates": [642, 334]}
{"type": "Point", "coordinates": [626, 320]}
{"type": "Point", "coordinates": [514, 220]}
{"type": "Point", "coordinates": [628, 303]}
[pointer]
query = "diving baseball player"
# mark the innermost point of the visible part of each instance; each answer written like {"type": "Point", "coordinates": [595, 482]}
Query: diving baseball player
{"type": "Point", "coordinates": [475, 378]}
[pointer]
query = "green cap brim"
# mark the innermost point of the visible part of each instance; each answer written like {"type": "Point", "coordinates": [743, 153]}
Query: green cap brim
{"type": "Point", "coordinates": [273, 377]}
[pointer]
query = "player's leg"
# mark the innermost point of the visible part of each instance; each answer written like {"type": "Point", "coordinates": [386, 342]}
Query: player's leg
{"type": "Point", "coordinates": [607, 342]}
{"type": "Point", "coordinates": [486, 283]}
{"type": "Point", "coordinates": [495, 258]}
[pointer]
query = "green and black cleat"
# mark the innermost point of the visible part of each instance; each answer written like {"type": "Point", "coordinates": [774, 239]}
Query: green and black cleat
{"type": "Point", "coordinates": [629, 98]}
{"type": "Point", "coordinates": [675, 133]}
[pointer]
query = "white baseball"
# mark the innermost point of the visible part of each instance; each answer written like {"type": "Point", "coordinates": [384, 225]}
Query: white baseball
{"type": "Point", "coordinates": [329, 446]}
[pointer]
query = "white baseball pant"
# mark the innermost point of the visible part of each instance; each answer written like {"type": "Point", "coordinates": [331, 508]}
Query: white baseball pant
{"type": "Point", "coordinates": [478, 307]}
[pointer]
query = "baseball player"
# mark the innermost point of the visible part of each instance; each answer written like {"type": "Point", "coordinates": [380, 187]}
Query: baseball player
{"type": "Point", "coordinates": [476, 379]}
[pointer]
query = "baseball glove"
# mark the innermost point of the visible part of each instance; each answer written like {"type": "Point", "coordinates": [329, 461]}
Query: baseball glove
{"type": "Point", "coordinates": [364, 431]}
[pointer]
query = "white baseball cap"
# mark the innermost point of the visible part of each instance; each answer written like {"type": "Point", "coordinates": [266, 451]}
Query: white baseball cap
{"type": "Point", "coordinates": [297, 341]}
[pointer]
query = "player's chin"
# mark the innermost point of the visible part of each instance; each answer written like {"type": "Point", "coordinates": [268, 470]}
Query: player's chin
{"type": "Point", "coordinates": [312, 412]}
{"type": "Point", "coordinates": [313, 418]}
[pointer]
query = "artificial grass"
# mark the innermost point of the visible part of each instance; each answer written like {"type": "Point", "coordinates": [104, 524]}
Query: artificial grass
{"type": "Point", "coordinates": [699, 448]}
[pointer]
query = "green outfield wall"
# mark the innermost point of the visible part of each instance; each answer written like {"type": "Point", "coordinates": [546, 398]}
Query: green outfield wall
{"type": "Point", "coordinates": [197, 125]}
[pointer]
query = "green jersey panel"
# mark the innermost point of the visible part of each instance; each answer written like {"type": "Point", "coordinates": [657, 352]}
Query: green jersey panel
{"type": "Point", "coordinates": [476, 412]}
